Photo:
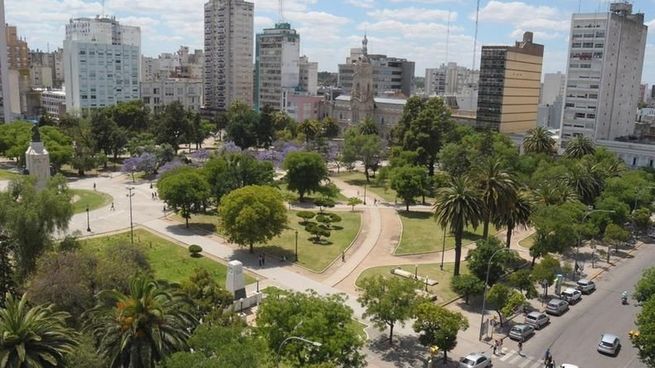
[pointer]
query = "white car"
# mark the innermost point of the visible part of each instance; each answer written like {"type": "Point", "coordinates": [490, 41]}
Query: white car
{"type": "Point", "coordinates": [586, 286]}
{"type": "Point", "coordinates": [567, 365]}
{"type": "Point", "coordinates": [475, 360]}
{"type": "Point", "coordinates": [609, 344]}
{"type": "Point", "coordinates": [571, 295]}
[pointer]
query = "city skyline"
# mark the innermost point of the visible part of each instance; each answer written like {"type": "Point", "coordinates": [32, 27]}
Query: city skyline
{"type": "Point", "coordinates": [412, 29]}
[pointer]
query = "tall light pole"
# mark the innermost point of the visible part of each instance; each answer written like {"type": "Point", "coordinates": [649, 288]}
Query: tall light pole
{"type": "Point", "coordinates": [443, 248]}
{"type": "Point", "coordinates": [88, 224]}
{"type": "Point", "coordinates": [484, 294]}
{"type": "Point", "coordinates": [301, 339]}
{"type": "Point", "coordinates": [365, 193]}
{"type": "Point", "coordinates": [296, 245]}
{"type": "Point", "coordinates": [130, 195]}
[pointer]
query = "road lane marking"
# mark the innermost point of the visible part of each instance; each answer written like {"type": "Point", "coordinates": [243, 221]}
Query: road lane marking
{"type": "Point", "coordinates": [525, 362]}
{"type": "Point", "coordinates": [537, 365]}
{"type": "Point", "coordinates": [506, 356]}
{"type": "Point", "coordinates": [515, 359]}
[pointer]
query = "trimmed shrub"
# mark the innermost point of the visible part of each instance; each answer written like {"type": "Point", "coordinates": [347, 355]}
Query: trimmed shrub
{"type": "Point", "coordinates": [195, 250]}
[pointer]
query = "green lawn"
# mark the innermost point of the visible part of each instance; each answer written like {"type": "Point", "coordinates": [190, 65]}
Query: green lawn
{"type": "Point", "coordinates": [357, 178]}
{"type": "Point", "coordinates": [316, 257]}
{"type": "Point", "coordinates": [313, 256]}
{"type": "Point", "coordinates": [527, 242]}
{"type": "Point", "coordinates": [421, 234]}
{"type": "Point", "coordinates": [308, 197]}
{"type": "Point", "coordinates": [83, 198]}
{"type": "Point", "coordinates": [441, 290]}
{"type": "Point", "coordinates": [169, 260]}
{"type": "Point", "coordinates": [8, 175]}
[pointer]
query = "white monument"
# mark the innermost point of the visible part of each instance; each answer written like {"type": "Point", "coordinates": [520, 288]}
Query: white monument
{"type": "Point", "coordinates": [234, 281]}
{"type": "Point", "coordinates": [37, 160]}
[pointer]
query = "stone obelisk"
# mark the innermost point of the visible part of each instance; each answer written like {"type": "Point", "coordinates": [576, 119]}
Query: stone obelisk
{"type": "Point", "coordinates": [37, 159]}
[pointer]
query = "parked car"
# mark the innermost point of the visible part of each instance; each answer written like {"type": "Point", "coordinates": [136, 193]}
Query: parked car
{"type": "Point", "coordinates": [557, 306]}
{"type": "Point", "coordinates": [537, 320]}
{"type": "Point", "coordinates": [521, 332]}
{"type": "Point", "coordinates": [609, 344]}
{"type": "Point", "coordinates": [571, 295]}
{"type": "Point", "coordinates": [586, 286]}
{"type": "Point", "coordinates": [567, 365]}
{"type": "Point", "coordinates": [475, 360]}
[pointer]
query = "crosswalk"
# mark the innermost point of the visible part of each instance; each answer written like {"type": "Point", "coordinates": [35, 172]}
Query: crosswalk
{"type": "Point", "coordinates": [513, 359]}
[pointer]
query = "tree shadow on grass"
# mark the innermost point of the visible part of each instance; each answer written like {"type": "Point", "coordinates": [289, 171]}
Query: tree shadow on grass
{"type": "Point", "coordinates": [406, 351]}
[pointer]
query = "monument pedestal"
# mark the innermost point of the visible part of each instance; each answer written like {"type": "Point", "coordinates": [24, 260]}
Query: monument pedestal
{"type": "Point", "coordinates": [37, 160]}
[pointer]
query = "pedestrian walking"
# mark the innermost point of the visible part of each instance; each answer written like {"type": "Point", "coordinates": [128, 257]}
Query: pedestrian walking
{"type": "Point", "coordinates": [495, 346]}
{"type": "Point", "coordinates": [259, 260]}
{"type": "Point", "coordinates": [263, 259]}
{"type": "Point", "coordinates": [150, 185]}
{"type": "Point", "coordinates": [521, 348]}
{"type": "Point", "coordinates": [500, 345]}
{"type": "Point", "coordinates": [375, 201]}
{"type": "Point", "coordinates": [343, 256]}
{"type": "Point", "coordinates": [94, 185]}
{"type": "Point", "coordinates": [547, 357]}
{"type": "Point", "coordinates": [112, 208]}
{"type": "Point", "coordinates": [152, 195]}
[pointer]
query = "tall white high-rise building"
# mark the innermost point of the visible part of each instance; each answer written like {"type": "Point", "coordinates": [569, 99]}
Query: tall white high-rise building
{"type": "Point", "coordinates": [228, 73]}
{"type": "Point", "coordinates": [552, 87]}
{"type": "Point", "coordinates": [606, 56]}
{"type": "Point", "coordinates": [308, 76]}
{"type": "Point", "coordinates": [102, 63]}
{"type": "Point", "coordinates": [277, 69]}
{"type": "Point", "coordinates": [5, 104]}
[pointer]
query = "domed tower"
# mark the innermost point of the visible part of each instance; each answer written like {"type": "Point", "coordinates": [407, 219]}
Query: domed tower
{"type": "Point", "coordinates": [361, 99]}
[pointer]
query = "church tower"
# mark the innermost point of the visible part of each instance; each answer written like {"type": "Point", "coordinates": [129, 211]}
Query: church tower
{"type": "Point", "coordinates": [361, 99]}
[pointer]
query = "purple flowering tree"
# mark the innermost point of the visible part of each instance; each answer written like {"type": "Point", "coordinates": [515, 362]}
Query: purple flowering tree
{"type": "Point", "coordinates": [200, 155]}
{"type": "Point", "coordinates": [131, 166]}
{"type": "Point", "coordinates": [230, 147]}
{"type": "Point", "coordinates": [148, 163]}
{"type": "Point", "coordinates": [170, 165]}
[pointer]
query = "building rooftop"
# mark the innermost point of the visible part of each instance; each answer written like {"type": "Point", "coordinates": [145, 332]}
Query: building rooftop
{"type": "Point", "coordinates": [381, 100]}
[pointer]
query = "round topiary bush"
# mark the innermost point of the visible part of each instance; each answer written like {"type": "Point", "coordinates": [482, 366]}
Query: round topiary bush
{"type": "Point", "coordinates": [195, 250]}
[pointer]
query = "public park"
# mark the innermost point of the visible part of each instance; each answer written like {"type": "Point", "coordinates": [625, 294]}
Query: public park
{"type": "Point", "coordinates": [134, 239]}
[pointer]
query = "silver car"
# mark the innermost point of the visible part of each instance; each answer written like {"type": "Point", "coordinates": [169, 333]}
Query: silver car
{"type": "Point", "coordinates": [475, 360]}
{"type": "Point", "coordinates": [586, 286]}
{"type": "Point", "coordinates": [609, 344]}
{"type": "Point", "coordinates": [557, 306]}
{"type": "Point", "coordinates": [571, 295]}
{"type": "Point", "coordinates": [537, 320]}
{"type": "Point", "coordinates": [521, 332]}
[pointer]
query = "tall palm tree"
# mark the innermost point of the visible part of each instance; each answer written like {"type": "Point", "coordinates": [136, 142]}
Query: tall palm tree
{"type": "Point", "coordinates": [139, 329]}
{"type": "Point", "coordinates": [34, 337]}
{"type": "Point", "coordinates": [310, 128]}
{"type": "Point", "coordinates": [458, 205]}
{"type": "Point", "coordinates": [539, 140]}
{"type": "Point", "coordinates": [579, 146]}
{"type": "Point", "coordinates": [552, 193]}
{"type": "Point", "coordinates": [586, 179]}
{"type": "Point", "coordinates": [497, 187]}
{"type": "Point", "coordinates": [516, 213]}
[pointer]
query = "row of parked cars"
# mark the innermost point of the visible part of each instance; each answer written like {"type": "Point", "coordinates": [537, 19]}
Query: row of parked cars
{"type": "Point", "coordinates": [536, 321]}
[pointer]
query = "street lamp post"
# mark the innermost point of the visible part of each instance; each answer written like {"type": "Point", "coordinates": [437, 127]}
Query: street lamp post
{"type": "Point", "coordinates": [443, 248]}
{"type": "Point", "coordinates": [296, 245]}
{"type": "Point", "coordinates": [365, 193]}
{"type": "Point", "coordinates": [129, 195]}
{"type": "Point", "coordinates": [484, 295]}
{"type": "Point", "coordinates": [88, 224]}
{"type": "Point", "coordinates": [301, 339]}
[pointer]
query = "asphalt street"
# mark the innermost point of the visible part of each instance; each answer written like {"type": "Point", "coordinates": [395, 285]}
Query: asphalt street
{"type": "Point", "coordinates": [574, 336]}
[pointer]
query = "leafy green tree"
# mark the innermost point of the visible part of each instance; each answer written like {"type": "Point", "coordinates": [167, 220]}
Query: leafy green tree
{"type": "Point", "coordinates": [59, 146]}
{"type": "Point", "coordinates": [641, 219]}
{"type": "Point", "coordinates": [108, 136]}
{"type": "Point", "coordinates": [516, 212]}
{"type": "Point", "coordinates": [457, 206]}
{"type": "Point", "coordinates": [504, 300]}
{"type": "Point", "coordinates": [438, 326]}
{"type": "Point", "coordinates": [33, 337]}
{"type": "Point", "coordinates": [522, 280]}
{"type": "Point", "coordinates": [85, 355]}
{"type": "Point", "coordinates": [329, 127]}
{"type": "Point", "coordinates": [645, 340]}
{"type": "Point", "coordinates": [478, 260]}
{"type": "Point", "coordinates": [199, 129]}
{"type": "Point", "coordinates": [362, 147]}
{"type": "Point", "coordinates": [230, 171]}
{"type": "Point", "coordinates": [467, 285]}
{"type": "Point", "coordinates": [545, 271]}
{"type": "Point", "coordinates": [557, 228]}
{"type": "Point", "coordinates": [206, 294]}
{"type": "Point", "coordinates": [184, 189]}
{"type": "Point", "coordinates": [222, 346]}
{"type": "Point", "coordinates": [586, 180]}
{"type": "Point", "coordinates": [323, 202]}
{"type": "Point", "coordinates": [424, 128]}
{"type": "Point", "coordinates": [305, 172]}
{"type": "Point", "coordinates": [614, 235]}
{"type": "Point", "coordinates": [645, 287]}
{"type": "Point", "coordinates": [579, 146]}
{"type": "Point", "coordinates": [305, 216]}
{"type": "Point", "coordinates": [454, 159]}
{"type": "Point", "coordinates": [173, 125]}
{"type": "Point", "coordinates": [367, 127]}
{"type": "Point", "coordinates": [497, 187]}
{"type": "Point", "coordinates": [253, 214]}
{"type": "Point", "coordinates": [80, 129]}
{"type": "Point", "coordinates": [29, 218]}
{"type": "Point", "coordinates": [387, 301]}
{"type": "Point", "coordinates": [407, 182]}
{"type": "Point", "coordinates": [323, 319]}
{"type": "Point", "coordinates": [353, 201]}
{"type": "Point", "coordinates": [143, 327]}
{"type": "Point", "coordinates": [133, 116]}
{"type": "Point", "coordinates": [539, 140]}
{"type": "Point", "coordinates": [310, 129]}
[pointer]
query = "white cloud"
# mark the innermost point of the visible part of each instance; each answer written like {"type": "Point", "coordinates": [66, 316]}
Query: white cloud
{"type": "Point", "coordinates": [512, 12]}
{"type": "Point", "coordinates": [366, 4]}
{"type": "Point", "coordinates": [423, 1]}
{"type": "Point", "coordinates": [412, 13]}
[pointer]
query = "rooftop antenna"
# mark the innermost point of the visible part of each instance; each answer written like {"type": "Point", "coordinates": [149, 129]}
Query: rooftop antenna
{"type": "Point", "coordinates": [447, 37]}
{"type": "Point", "coordinates": [579, 6]}
{"type": "Point", "coordinates": [280, 11]}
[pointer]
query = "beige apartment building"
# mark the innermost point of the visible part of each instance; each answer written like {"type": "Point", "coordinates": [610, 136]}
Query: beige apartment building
{"type": "Point", "coordinates": [509, 87]}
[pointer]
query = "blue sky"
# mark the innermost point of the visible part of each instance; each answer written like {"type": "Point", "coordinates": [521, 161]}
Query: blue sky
{"type": "Point", "coordinates": [413, 29]}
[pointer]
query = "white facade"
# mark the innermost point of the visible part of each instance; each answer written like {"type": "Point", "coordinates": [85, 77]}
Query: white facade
{"type": "Point", "coordinates": [53, 102]}
{"type": "Point", "coordinates": [228, 75]}
{"type": "Point", "coordinates": [308, 76]}
{"type": "Point", "coordinates": [277, 69]}
{"type": "Point", "coordinates": [102, 63]}
{"type": "Point", "coordinates": [157, 94]}
{"type": "Point", "coordinates": [552, 87]}
{"type": "Point", "coordinates": [450, 79]}
{"type": "Point", "coordinates": [606, 56]}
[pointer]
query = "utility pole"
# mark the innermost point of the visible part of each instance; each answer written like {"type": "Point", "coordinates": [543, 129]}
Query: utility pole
{"type": "Point", "coordinates": [129, 195]}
